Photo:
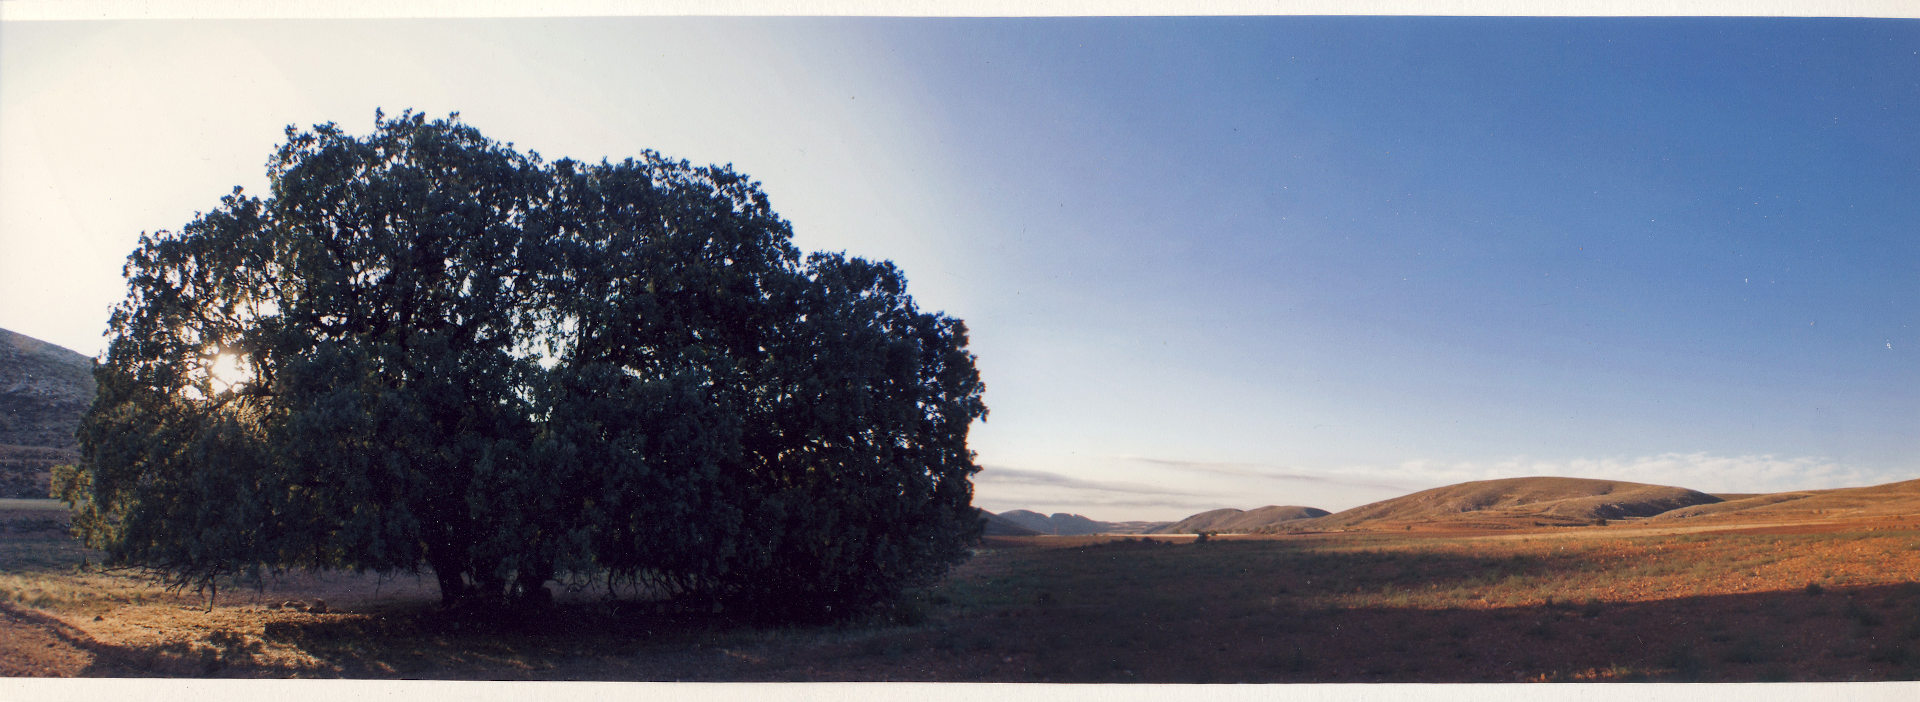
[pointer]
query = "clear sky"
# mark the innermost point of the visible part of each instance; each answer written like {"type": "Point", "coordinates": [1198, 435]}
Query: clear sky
{"type": "Point", "coordinates": [1223, 262]}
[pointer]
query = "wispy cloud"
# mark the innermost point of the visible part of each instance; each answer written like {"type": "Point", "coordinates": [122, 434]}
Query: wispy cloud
{"type": "Point", "coordinates": [1698, 471]}
{"type": "Point", "coordinates": [1005, 488]}
{"type": "Point", "coordinates": [1193, 486]}
{"type": "Point", "coordinates": [998, 474]}
{"type": "Point", "coordinates": [1131, 508]}
{"type": "Point", "coordinates": [1264, 472]}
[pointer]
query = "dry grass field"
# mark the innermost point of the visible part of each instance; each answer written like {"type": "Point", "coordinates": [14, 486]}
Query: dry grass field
{"type": "Point", "coordinates": [1790, 599]}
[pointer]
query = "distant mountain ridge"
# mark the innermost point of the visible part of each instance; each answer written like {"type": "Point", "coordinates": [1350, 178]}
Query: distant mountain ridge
{"type": "Point", "coordinates": [996, 525]}
{"type": "Point", "coordinates": [1509, 503]}
{"type": "Point", "coordinates": [1237, 521]}
{"type": "Point", "coordinates": [44, 390]}
{"type": "Point", "coordinates": [1059, 524]}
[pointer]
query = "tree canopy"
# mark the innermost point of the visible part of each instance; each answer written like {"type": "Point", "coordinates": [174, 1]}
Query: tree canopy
{"type": "Point", "coordinates": [426, 348]}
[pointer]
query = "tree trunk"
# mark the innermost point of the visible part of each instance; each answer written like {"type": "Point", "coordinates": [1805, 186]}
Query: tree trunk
{"type": "Point", "coordinates": [451, 572]}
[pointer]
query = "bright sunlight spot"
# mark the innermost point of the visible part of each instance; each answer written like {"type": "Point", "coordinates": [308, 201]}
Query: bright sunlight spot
{"type": "Point", "coordinates": [227, 372]}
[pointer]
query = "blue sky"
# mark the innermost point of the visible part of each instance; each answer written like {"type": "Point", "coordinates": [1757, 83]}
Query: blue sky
{"type": "Point", "coordinates": [1206, 261]}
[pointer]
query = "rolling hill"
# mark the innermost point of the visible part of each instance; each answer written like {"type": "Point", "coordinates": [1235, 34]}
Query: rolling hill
{"type": "Point", "coordinates": [1058, 524]}
{"type": "Point", "coordinates": [1062, 524]}
{"type": "Point", "coordinates": [1876, 500]}
{"type": "Point", "coordinates": [996, 525]}
{"type": "Point", "coordinates": [1543, 500]}
{"type": "Point", "coordinates": [44, 389]}
{"type": "Point", "coordinates": [1236, 521]}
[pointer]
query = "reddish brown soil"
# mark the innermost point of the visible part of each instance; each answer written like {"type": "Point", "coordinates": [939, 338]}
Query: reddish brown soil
{"type": "Point", "coordinates": [36, 644]}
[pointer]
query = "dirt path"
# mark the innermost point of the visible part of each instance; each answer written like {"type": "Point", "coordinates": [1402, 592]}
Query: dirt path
{"type": "Point", "coordinates": [33, 644]}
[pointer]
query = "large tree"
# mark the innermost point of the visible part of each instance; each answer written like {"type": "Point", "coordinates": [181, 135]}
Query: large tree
{"type": "Point", "coordinates": [428, 349]}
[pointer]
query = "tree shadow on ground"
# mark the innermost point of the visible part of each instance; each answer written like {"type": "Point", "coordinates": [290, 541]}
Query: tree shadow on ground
{"type": "Point", "coordinates": [1865, 633]}
{"type": "Point", "coordinates": [1276, 611]}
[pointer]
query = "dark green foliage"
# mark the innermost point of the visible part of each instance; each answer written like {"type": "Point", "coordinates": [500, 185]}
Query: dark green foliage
{"type": "Point", "coordinates": [790, 436]}
{"type": "Point", "coordinates": [510, 371]}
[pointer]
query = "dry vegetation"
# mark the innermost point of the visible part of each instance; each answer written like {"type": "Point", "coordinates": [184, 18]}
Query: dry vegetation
{"type": "Point", "coordinates": [1642, 600]}
{"type": "Point", "coordinates": [1538, 501]}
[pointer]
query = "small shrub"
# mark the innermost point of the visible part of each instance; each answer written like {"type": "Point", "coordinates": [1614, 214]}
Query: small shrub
{"type": "Point", "coordinates": [1815, 589]}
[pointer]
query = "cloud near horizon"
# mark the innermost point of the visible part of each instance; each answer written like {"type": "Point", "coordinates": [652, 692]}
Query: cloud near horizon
{"type": "Point", "coordinates": [1001, 474]}
{"type": "Point", "coordinates": [1254, 470]}
{"type": "Point", "coordinates": [1046, 492]}
{"type": "Point", "coordinates": [1697, 471]}
{"type": "Point", "coordinates": [1219, 484]}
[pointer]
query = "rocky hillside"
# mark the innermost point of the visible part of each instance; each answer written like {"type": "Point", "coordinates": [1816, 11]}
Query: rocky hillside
{"type": "Point", "coordinates": [1238, 521]}
{"type": "Point", "coordinates": [43, 391]}
{"type": "Point", "coordinates": [1516, 500]}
